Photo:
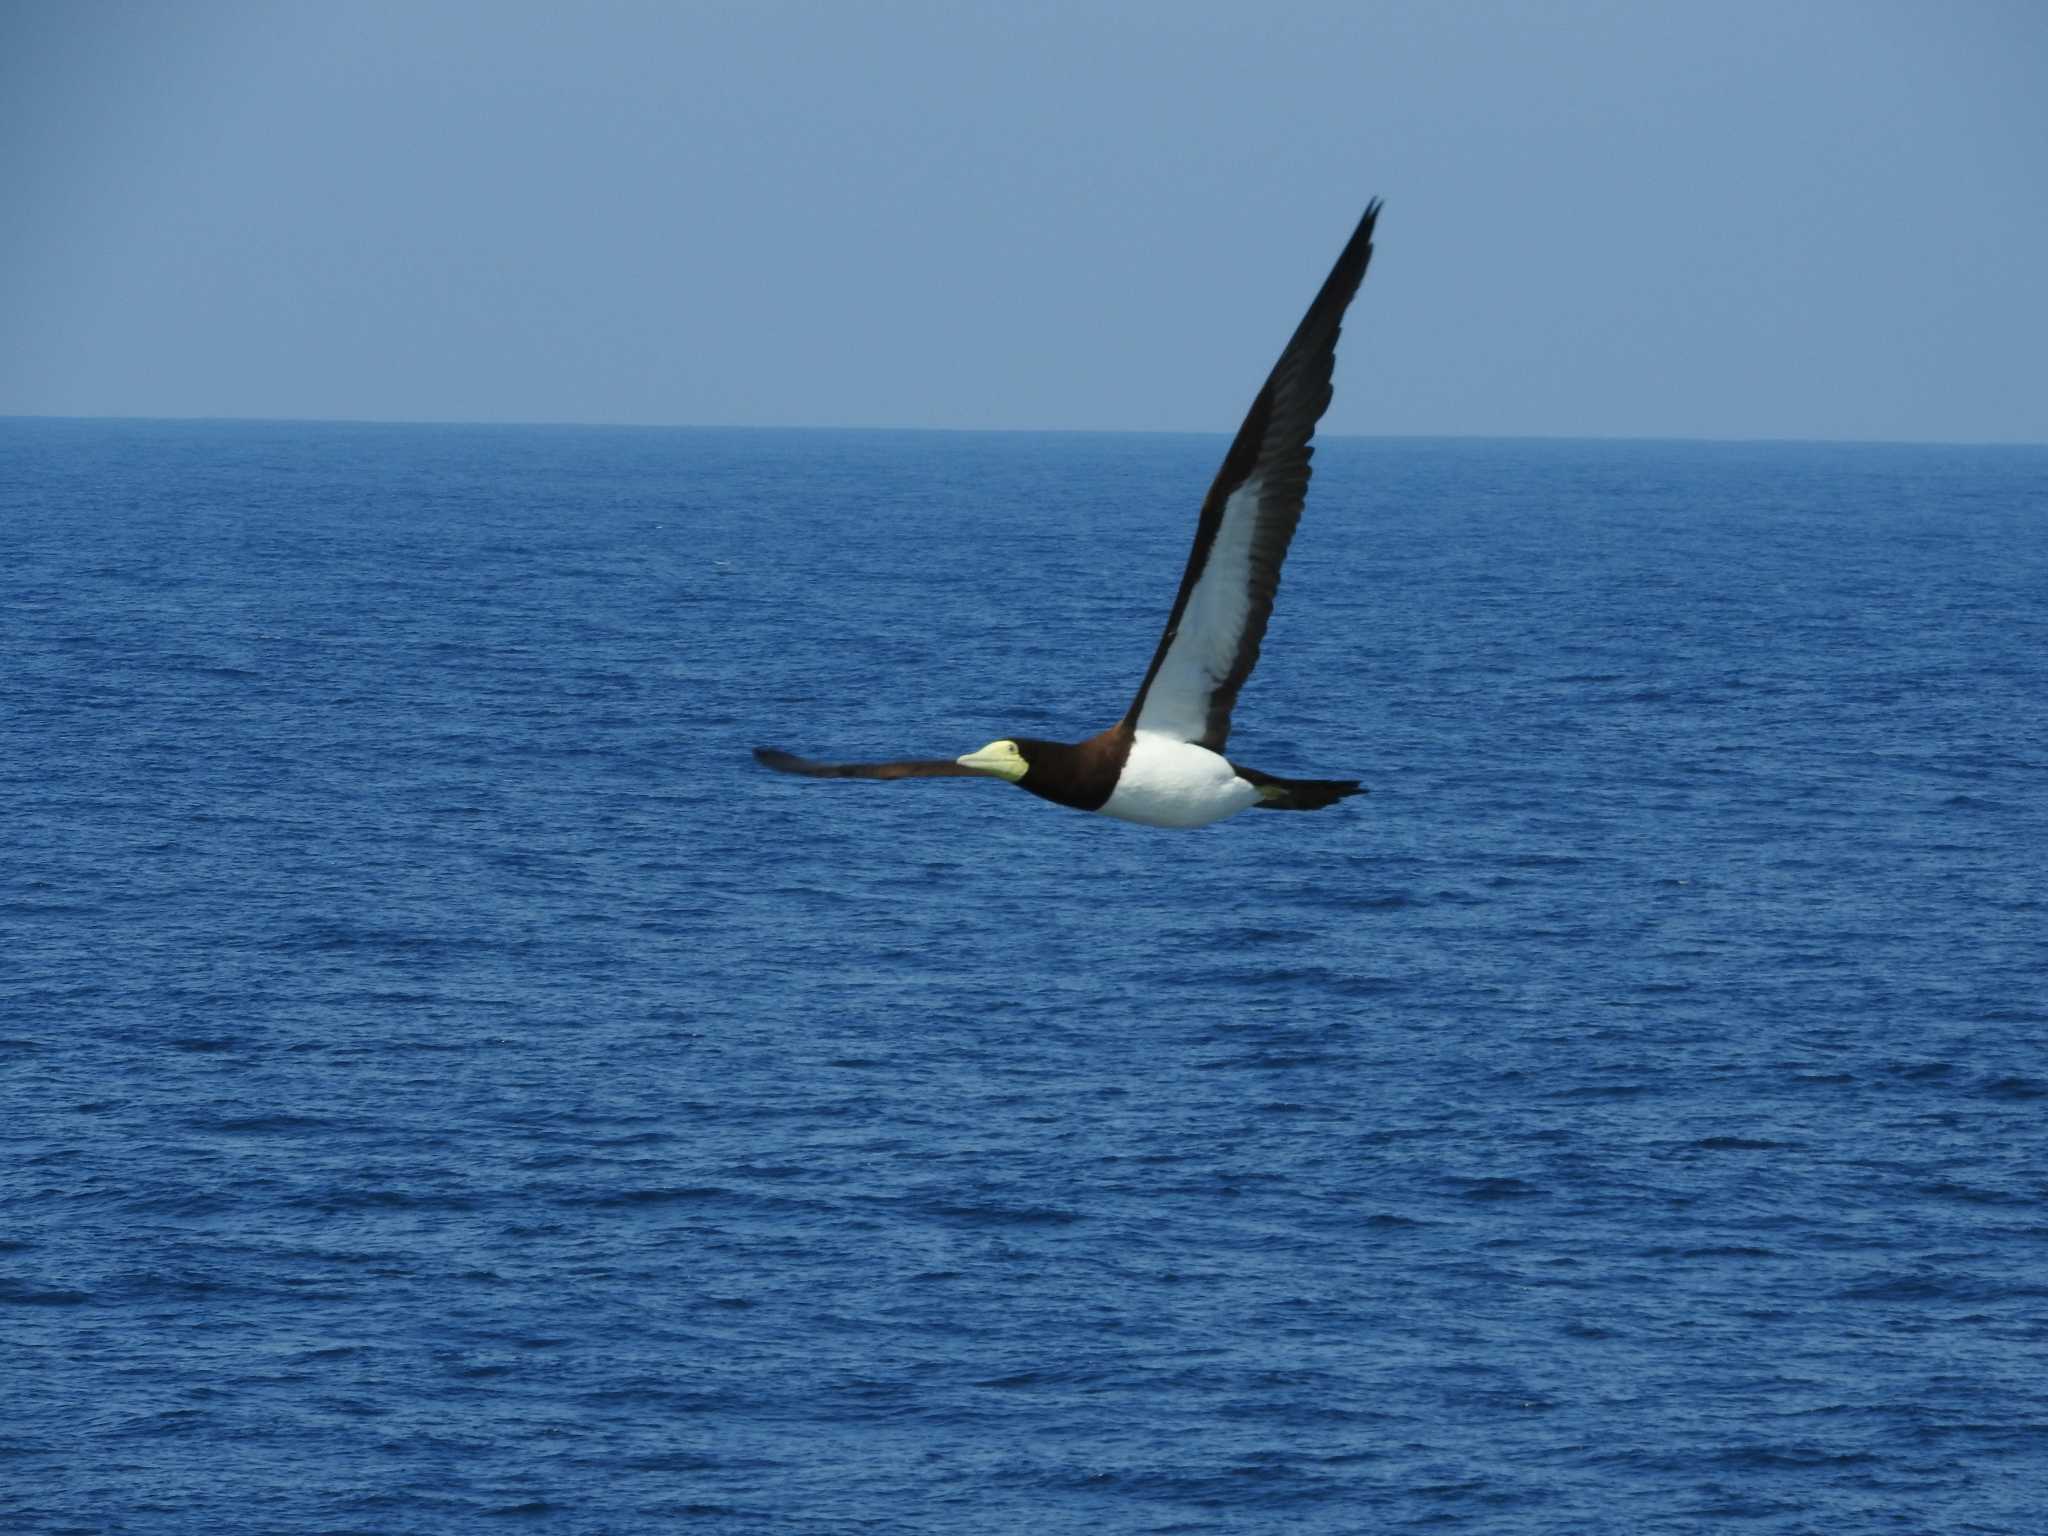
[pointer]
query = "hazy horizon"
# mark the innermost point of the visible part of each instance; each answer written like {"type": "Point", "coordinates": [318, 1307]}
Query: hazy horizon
{"type": "Point", "coordinates": [1322, 435]}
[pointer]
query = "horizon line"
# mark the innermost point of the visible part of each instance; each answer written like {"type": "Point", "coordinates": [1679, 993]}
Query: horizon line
{"type": "Point", "coordinates": [675, 426]}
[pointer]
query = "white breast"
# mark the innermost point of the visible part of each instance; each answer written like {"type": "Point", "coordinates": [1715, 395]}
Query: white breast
{"type": "Point", "coordinates": [1169, 783]}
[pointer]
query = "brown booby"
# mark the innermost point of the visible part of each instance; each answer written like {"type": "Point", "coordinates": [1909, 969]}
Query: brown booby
{"type": "Point", "coordinates": [1163, 763]}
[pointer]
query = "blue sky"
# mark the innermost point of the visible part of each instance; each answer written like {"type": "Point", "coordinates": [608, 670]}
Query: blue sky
{"type": "Point", "coordinates": [1603, 219]}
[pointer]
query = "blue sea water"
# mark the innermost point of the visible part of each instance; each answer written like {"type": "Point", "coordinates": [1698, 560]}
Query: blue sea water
{"type": "Point", "coordinates": [443, 1078]}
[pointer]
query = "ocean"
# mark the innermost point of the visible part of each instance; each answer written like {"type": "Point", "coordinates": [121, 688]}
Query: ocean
{"type": "Point", "coordinates": [446, 1085]}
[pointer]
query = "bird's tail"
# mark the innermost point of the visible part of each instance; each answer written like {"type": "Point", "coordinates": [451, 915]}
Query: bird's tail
{"type": "Point", "coordinates": [1300, 794]}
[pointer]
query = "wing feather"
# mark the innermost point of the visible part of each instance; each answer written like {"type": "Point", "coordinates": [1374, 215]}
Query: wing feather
{"type": "Point", "coordinates": [913, 768]}
{"type": "Point", "coordinates": [1226, 593]}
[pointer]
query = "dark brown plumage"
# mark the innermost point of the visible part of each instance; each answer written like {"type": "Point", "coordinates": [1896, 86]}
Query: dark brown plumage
{"type": "Point", "coordinates": [1083, 775]}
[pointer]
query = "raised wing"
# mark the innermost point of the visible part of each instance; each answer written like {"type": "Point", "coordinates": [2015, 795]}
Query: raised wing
{"type": "Point", "coordinates": [915, 768]}
{"type": "Point", "coordinates": [1226, 594]}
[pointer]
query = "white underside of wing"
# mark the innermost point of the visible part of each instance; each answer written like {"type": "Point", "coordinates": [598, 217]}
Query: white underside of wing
{"type": "Point", "coordinates": [1168, 782]}
{"type": "Point", "coordinates": [1211, 627]}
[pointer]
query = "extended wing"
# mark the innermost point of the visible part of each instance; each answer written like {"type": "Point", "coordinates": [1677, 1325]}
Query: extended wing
{"type": "Point", "coordinates": [1226, 594]}
{"type": "Point", "coordinates": [914, 768]}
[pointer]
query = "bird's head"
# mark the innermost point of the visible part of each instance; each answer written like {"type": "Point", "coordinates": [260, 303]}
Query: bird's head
{"type": "Point", "coordinates": [1001, 759]}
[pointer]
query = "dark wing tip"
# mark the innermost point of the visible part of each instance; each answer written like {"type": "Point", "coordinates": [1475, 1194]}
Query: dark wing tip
{"type": "Point", "coordinates": [1345, 275]}
{"type": "Point", "coordinates": [1366, 222]}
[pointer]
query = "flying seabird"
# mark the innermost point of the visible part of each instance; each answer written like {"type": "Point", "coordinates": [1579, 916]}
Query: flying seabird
{"type": "Point", "coordinates": [1163, 763]}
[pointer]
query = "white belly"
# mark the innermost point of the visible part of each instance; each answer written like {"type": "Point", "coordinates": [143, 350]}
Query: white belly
{"type": "Point", "coordinates": [1171, 783]}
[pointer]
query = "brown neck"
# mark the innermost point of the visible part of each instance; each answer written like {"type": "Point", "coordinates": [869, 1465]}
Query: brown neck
{"type": "Point", "coordinates": [1082, 775]}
